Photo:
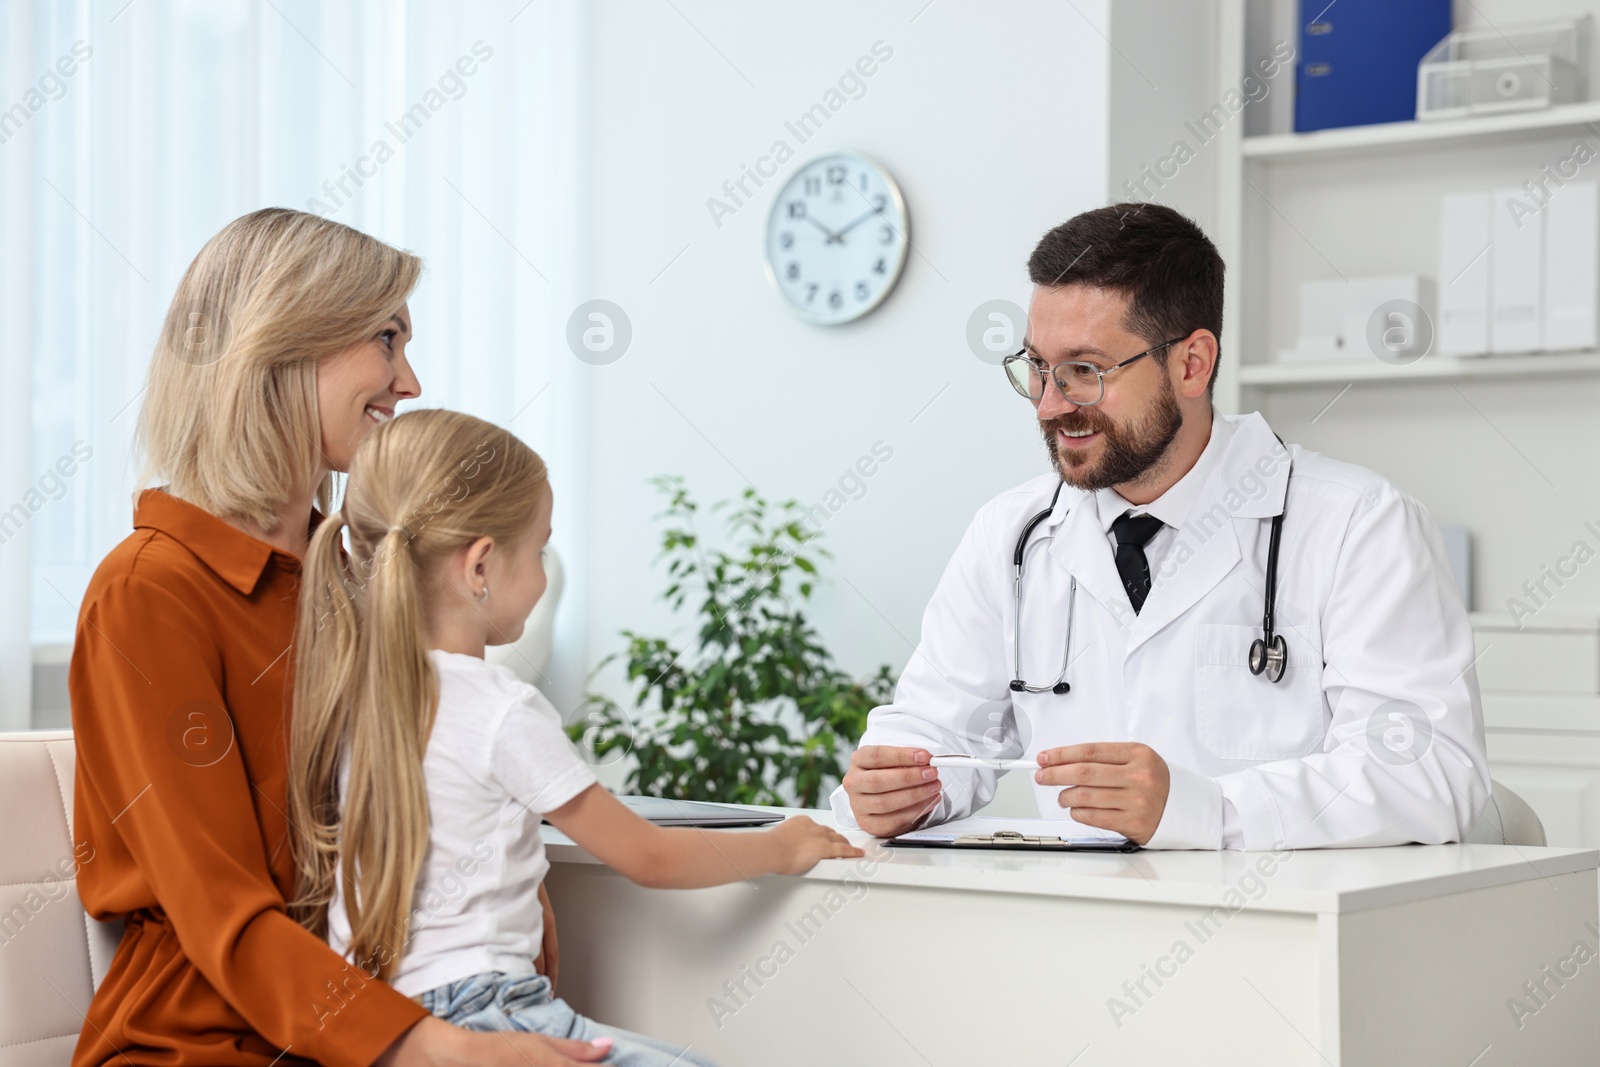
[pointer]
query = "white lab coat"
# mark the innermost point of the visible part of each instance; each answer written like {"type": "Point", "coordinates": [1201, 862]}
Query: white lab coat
{"type": "Point", "coordinates": [1374, 736]}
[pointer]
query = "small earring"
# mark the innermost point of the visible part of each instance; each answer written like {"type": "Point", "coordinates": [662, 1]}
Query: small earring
{"type": "Point", "coordinates": [481, 595]}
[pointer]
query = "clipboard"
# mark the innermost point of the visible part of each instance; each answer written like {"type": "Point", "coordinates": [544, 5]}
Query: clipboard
{"type": "Point", "coordinates": [1013, 840]}
{"type": "Point", "coordinates": [1023, 835]}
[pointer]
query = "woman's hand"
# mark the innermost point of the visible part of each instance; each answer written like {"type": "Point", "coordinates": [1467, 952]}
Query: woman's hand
{"type": "Point", "coordinates": [435, 1043]}
{"type": "Point", "coordinates": [801, 843]}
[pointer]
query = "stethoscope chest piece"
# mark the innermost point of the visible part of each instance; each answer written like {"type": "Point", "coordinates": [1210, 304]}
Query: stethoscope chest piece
{"type": "Point", "coordinates": [1269, 656]}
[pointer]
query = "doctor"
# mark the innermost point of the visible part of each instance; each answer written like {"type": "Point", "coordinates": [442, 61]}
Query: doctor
{"type": "Point", "coordinates": [1143, 592]}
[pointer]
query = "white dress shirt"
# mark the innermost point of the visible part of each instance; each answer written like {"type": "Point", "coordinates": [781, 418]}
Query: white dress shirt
{"type": "Point", "coordinates": [1173, 506]}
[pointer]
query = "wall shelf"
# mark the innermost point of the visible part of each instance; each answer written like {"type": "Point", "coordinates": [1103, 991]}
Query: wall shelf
{"type": "Point", "coordinates": [1429, 368]}
{"type": "Point", "coordinates": [1399, 136]}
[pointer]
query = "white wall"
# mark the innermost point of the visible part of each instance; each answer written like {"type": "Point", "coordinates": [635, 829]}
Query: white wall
{"type": "Point", "coordinates": [993, 119]}
{"type": "Point", "coordinates": [1162, 79]}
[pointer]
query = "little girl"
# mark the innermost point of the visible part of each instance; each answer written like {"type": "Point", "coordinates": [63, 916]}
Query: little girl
{"type": "Point", "coordinates": [420, 772]}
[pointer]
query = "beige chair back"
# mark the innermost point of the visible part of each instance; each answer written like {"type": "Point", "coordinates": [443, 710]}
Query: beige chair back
{"type": "Point", "coordinates": [52, 955]}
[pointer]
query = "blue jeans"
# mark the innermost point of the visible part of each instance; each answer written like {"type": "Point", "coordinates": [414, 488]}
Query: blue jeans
{"type": "Point", "coordinates": [496, 1001]}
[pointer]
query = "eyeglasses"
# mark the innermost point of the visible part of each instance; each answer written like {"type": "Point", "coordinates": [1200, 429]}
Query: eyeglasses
{"type": "Point", "coordinates": [1082, 384]}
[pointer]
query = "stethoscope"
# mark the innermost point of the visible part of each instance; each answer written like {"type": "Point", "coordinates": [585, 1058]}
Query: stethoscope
{"type": "Point", "coordinates": [1269, 653]}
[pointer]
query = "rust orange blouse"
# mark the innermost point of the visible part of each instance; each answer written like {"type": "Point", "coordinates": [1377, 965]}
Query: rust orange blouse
{"type": "Point", "coordinates": [180, 684]}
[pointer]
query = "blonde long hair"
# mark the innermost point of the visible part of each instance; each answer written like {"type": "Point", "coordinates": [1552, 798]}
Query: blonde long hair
{"type": "Point", "coordinates": [230, 420]}
{"type": "Point", "coordinates": [421, 487]}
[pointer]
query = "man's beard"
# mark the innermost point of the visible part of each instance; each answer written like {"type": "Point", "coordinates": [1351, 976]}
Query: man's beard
{"type": "Point", "coordinates": [1126, 452]}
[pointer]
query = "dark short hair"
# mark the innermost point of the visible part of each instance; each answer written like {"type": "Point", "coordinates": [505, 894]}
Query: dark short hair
{"type": "Point", "coordinates": [1164, 263]}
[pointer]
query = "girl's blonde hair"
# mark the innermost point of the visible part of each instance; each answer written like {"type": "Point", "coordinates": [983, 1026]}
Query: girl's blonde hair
{"type": "Point", "coordinates": [229, 420]}
{"type": "Point", "coordinates": [421, 487]}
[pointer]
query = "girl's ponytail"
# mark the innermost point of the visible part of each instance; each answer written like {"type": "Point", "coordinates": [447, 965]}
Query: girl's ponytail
{"type": "Point", "coordinates": [421, 487]}
{"type": "Point", "coordinates": [385, 807]}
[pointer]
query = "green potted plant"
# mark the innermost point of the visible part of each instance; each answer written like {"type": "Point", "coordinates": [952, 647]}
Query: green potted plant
{"type": "Point", "coordinates": [753, 710]}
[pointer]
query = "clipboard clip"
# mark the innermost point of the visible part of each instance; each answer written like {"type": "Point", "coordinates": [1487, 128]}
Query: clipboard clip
{"type": "Point", "coordinates": [1009, 839]}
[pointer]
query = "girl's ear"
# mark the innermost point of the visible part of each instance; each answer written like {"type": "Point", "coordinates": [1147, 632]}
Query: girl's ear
{"type": "Point", "coordinates": [477, 558]}
{"type": "Point", "coordinates": [468, 567]}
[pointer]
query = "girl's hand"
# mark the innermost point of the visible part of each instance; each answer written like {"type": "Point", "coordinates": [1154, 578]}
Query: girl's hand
{"type": "Point", "coordinates": [687, 857]}
{"type": "Point", "coordinates": [801, 843]}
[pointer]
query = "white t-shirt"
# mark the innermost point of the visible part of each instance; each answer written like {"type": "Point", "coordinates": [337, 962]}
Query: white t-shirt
{"type": "Point", "coordinates": [497, 760]}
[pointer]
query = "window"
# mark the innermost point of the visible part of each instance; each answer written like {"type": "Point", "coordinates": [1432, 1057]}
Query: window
{"type": "Point", "coordinates": [145, 126]}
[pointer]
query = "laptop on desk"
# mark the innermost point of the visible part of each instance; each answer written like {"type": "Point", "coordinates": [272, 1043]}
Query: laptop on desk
{"type": "Point", "coordinates": [665, 812]}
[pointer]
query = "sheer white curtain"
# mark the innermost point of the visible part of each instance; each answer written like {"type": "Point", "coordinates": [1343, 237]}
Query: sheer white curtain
{"type": "Point", "coordinates": [133, 131]}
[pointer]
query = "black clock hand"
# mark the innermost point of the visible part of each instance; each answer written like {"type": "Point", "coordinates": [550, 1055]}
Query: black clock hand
{"type": "Point", "coordinates": [859, 221]}
{"type": "Point", "coordinates": [833, 238]}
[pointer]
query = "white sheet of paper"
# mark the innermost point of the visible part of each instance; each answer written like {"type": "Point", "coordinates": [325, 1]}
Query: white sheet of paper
{"type": "Point", "coordinates": [1066, 829]}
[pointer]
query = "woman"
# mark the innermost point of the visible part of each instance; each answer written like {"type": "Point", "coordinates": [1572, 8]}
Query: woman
{"type": "Point", "coordinates": [284, 346]}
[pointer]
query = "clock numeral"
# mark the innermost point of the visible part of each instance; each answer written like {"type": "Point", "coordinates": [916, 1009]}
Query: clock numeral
{"type": "Point", "coordinates": [793, 272]}
{"type": "Point", "coordinates": [811, 292]}
{"type": "Point", "coordinates": [862, 292]}
{"type": "Point", "coordinates": [880, 201]}
{"type": "Point", "coordinates": [836, 174]}
{"type": "Point", "coordinates": [880, 267]}
{"type": "Point", "coordinates": [786, 239]}
{"type": "Point", "coordinates": [886, 234]}
{"type": "Point", "coordinates": [836, 300]}
{"type": "Point", "coordinates": [813, 185]}
{"type": "Point", "coordinates": [797, 209]}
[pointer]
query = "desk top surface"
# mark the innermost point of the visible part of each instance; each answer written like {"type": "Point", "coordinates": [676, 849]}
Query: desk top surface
{"type": "Point", "coordinates": [1303, 881]}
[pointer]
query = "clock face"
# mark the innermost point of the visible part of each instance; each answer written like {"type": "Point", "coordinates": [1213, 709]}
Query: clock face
{"type": "Point", "coordinates": [837, 238]}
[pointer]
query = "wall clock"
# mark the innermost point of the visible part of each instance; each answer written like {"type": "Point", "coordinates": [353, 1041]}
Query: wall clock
{"type": "Point", "coordinates": [837, 238]}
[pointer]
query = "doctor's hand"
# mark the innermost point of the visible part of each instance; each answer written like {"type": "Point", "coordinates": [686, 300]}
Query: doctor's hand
{"type": "Point", "coordinates": [1113, 785]}
{"type": "Point", "coordinates": [891, 789]}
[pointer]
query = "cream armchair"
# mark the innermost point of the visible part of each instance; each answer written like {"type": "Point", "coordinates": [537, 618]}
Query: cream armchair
{"type": "Point", "coordinates": [52, 955]}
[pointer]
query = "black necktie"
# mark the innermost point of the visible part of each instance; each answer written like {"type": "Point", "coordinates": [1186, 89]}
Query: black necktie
{"type": "Point", "coordinates": [1133, 532]}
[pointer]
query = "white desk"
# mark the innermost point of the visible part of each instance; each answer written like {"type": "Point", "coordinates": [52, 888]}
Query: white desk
{"type": "Point", "coordinates": [1407, 955]}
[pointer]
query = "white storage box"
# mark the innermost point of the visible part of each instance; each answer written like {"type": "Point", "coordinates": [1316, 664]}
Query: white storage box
{"type": "Point", "coordinates": [1516, 277]}
{"type": "Point", "coordinates": [1572, 268]}
{"type": "Point", "coordinates": [1465, 252]}
{"type": "Point", "coordinates": [1551, 652]}
{"type": "Point", "coordinates": [1335, 316]}
{"type": "Point", "coordinates": [1507, 68]}
{"type": "Point", "coordinates": [1458, 549]}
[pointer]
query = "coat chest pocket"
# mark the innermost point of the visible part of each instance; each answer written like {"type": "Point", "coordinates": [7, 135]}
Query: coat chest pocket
{"type": "Point", "coordinates": [1239, 715]}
